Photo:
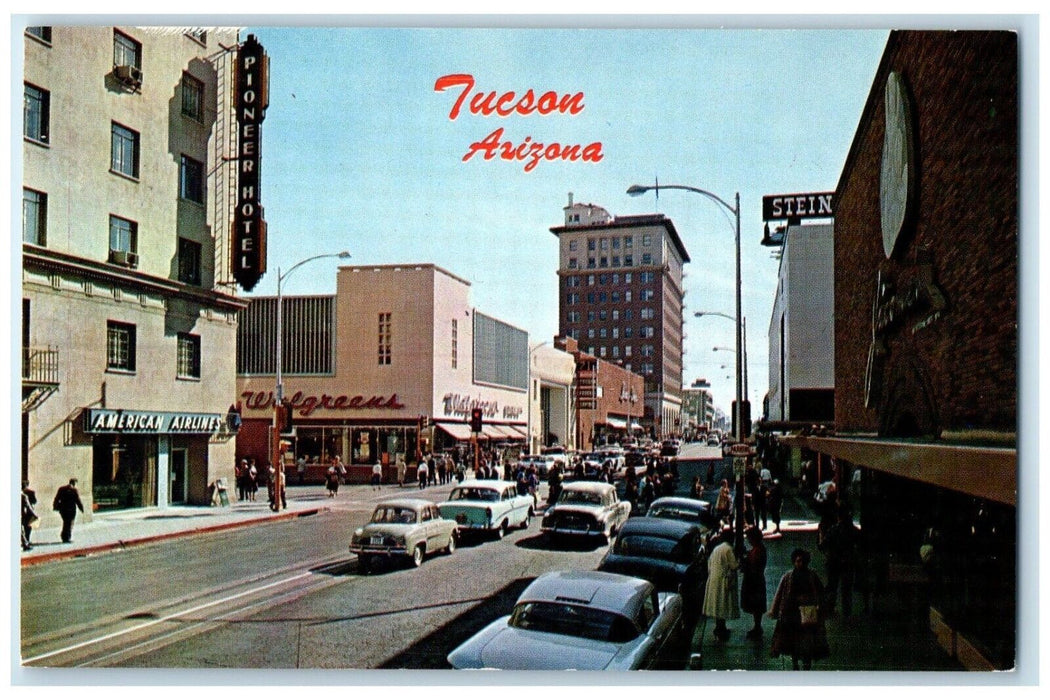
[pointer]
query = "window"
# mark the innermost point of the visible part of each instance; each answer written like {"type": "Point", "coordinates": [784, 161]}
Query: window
{"type": "Point", "coordinates": [647, 240]}
{"type": "Point", "coordinates": [36, 113]}
{"type": "Point", "coordinates": [192, 98]}
{"type": "Point", "coordinates": [646, 332]}
{"type": "Point", "coordinates": [590, 244]}
{"type": "Point", "coordinates": [616, 261]}
{"type": "Point", "coordinates": [590, 316]}
{"type": "Point", "coordinates": [572, 298]}
{"type": "Point", "coordinates": [590, 263]}
{"type": "Point", "coordinates": [590, 280]}
{"type": "Point", "coordinates": [603, 262]}
{"type": "Point", "coordinates": [604, 245]}
{"type": "Point", "coordinates": [627, 315]}
{"type": "Point", "coordinates": [198, 35]}
{"type": "Point", "coordinates": [647, 258]}
{"type": "Point", "coordinates": [628, 260]}
{"type": "Point", "coordinates": [455, 343]}
{"type": "Point", "coordinates": [123, 241]}
{"type": "Point", "coordinates": [120, 346]}
{"type": "Point", "coordinates": [646, 314]}
{"type": "Point", "coordinates": [615, 297]}
{"type": "Point", "coordinates": [628, 241]}
{"type": "Point", "coordinates": [616, 243]}
{"type": "Point", "coordinates": [126, 51]}
{"type": "Point", "coordinates": [627, 278]}
{"type": "Point", "coordinates": [573, 264]}
{"type": "Point", "coordinates": [601, 351]}
{"type": "Point", "coordinates": [191, 180]}
{"type": "Point", "coordinates": [189, 261]}
{"type": "Point", "coordinates": [573, 281]}
{"type": "Point", "coordinates": [188, 360]}
{"type": "Point", "coordinates": [615, 333]}
{"type": "Point", "coordinates": [627, 333]}
{"type": "Point", "coordinates": [648, 351]}
{"type": "Point", "coordinates": [603, 279]}
{"type": "Point", "coordinates": [616, 350]}
{"type": "Point", "coordinates": [602, 315]}
{"type": "Point", "coordinates": [627, 296]}
{"type": "Point", "coordinates": [573, 245]}
{"type": "Point", "coordinates": [590, 333]}
{"type": "Point", "coordinates": [627, 353]}
{"type": "Point", "coordinates": [647, 277]}
{"type": "Point", "coordinates": [616, 314]}
{"type": "Point", "coordinates": [384, 339]}
{"type": "Point", "coordinates": [42, 33]}
{"type": "Point", "coordinates": [34, 217]}
{"type": "Point", "coordinates": [647, 368]}
{"type": "Point", "coordinates": [574, 317]}
{"type": "Point", "coordinates": [590, 297]}
{"type": "Point", "coordinates": [603, 333]}
{"type": "Point", "coordinates": [124, 151]}
{"type": "Point", "coordinates": [646, 295]}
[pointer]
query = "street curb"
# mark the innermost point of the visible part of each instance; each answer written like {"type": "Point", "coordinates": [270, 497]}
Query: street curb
{"type": "Point", "coordinates": [33, 559]}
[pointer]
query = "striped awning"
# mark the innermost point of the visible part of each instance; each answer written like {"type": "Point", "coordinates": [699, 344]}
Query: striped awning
{"type": "Point", "coordinates": [459, 431]}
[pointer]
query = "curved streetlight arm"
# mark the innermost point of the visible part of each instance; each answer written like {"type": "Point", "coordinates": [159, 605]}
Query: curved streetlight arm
{"type": "Point", "coordinates": [636, 190]}
{"type": "Point", "coordinates": [698, 314]}
{"type": "Point", "coordinates": [342, 256]}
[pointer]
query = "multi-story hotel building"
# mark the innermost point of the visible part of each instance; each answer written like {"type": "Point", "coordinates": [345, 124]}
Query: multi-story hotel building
{"type": "Point", "coordinates": [621, 298]}
{"type": "Point", "coordinates": [390, 366]}
{"type": "Point", "coordinates": [128, 312]}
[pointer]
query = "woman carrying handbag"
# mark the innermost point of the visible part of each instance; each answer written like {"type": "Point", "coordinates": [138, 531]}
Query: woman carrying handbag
{"type": "Point", "coordinates": [799, 632]}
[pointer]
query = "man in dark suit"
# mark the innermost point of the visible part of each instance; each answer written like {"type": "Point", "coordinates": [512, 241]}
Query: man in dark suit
{"type": "Point", "coordinates": [67, 501]}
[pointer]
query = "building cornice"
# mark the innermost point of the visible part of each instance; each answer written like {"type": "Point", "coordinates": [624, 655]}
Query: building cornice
{"type": "Point", "coordinates": [64, 263]}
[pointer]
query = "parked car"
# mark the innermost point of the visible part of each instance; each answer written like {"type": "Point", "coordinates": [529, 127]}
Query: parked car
{"type": "Point", "coordinates": [403, 528]}
{"type": "Point", "coordinates": [670, 554]}
{"type": "Point", "coordinates": [487, 506]}
{"type": "Point", "coordinates": [690, 510]}
{"type": "Point", "coordinates": [578, 620]}
{"type": "Point", "coordinates": [586, 508]}
{"type": "Point", "coordinates": [543, 463]}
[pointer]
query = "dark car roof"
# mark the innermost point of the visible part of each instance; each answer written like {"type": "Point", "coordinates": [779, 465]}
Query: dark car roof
{"type": "Point", "coordinates": [662, 527]}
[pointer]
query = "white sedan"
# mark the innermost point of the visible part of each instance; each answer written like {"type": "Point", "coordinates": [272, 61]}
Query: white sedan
{"type": "Point", "coordinates": [489, 506]}
{"type": "Point", "coordinates": [578, 620]}
{"type": "Point", "coordinates": [588, 509]}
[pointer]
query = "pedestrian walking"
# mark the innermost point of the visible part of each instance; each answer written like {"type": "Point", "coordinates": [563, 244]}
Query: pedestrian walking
{"type": "Point", "coordinates": [432, 470]}
{"type": "Point", "coordinates": [341, 468]}
{"type": "Point", "coordinates": [753, 583]}
{"type": "Point", "coordinates": [720, 595]}
{"type": "Point", "coordinates": [67, 503]}
{"type": "Point", "coordinates": [775, 501]}
{"type": "Point", "coordinates": [241, 475]}
{"type": "Point", "coordinates": [442, 469]}
{"type": "Point", "coordinates": [840, 549]}
{"type": "Point", "coordinates": [724, 504]}
{"type": "Point", "coordinates": [253, 480]}
{"type": "Point", "coordinates": [29, 516]}
{"type": "Point", "coordinates": [331, 481]}
{"type": "Point", "coordinates": [421, 473]}
{"type": "Point", "coordinates": [300, 469]}
{"type": "Point", "coordinates": [799, 632]}
{"type": "Point", "coordinates": [401, 468]}
{"type": "Point", "coordinates": [377, 476]}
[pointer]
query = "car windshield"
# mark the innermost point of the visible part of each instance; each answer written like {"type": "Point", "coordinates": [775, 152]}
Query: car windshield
{"type": "Point", "coordinates": [570, 496]}
{"type": "Point", "coordinates": [674, 513]}
{"type": "Point", "coordinates": [574, 621]}
{"type": "Point", "coordinates": [654, 547]}
{"type": "Point", "coordinates": [474, 495]}
{"type": "Point", "coordinates": [394, 514]}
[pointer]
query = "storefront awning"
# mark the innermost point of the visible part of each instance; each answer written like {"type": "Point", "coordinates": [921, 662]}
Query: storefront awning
{"type": "Point", "coordinates": [516, 432]}
{"type": "Point", "coordinates": [984, 472]}
{"type": "Point", "coordinates": [460, 431]}
{"type": "Point", "coordinates": [636, 426]}
{"type": "Point", "coordinates": [616, 423]}
{"type": "Point", "coordinates": [492, 432]}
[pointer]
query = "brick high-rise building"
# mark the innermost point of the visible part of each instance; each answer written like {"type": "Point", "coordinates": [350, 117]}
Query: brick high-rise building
{"type": "Point", "coordinates": [620, 297]}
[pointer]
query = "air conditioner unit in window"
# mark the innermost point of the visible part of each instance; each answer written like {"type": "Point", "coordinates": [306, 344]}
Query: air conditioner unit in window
{"type": "Point", "coordinates": [129, 75]}
{"type": "Point", "coordinates": [124, 257]}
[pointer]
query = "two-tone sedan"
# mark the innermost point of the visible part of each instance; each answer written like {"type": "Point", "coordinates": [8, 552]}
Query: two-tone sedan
{"type": "Point", "coordinates": [578, 620]}
{"type": "Point", "coordinates": [490, 507]}
{"type": "Point", "coordinates": [586, 508]}
{"type": "Point", "coordinates": [403, 528]}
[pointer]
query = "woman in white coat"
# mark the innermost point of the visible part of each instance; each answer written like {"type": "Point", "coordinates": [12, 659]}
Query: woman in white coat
{"type": "Point", "coordinates": [720, 597]}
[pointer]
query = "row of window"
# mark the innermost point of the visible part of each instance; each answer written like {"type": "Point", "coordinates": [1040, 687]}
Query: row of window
{"type": "Point", "coordinates": [646, 314]}
{"type": "Point", "coordinates": [615, 297]}
{"type": "Point", "coordinates": [125, 142]}
{"type": "Point", "coordinates": [614, 333]}
{"type": "Point", "coordinates": [647, 277]}
{"type": "Point", "coordinates": [123, 238]}
{"type": "Point", "coordinates": [121, 351]}
{"type": "Point", "coordinates": [614, 261]}
{"type": "Point", "coordinates": [611, 242]}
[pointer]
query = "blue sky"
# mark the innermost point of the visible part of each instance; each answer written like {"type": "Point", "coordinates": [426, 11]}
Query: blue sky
{"type": "Point", "coordinates": [360, 153]}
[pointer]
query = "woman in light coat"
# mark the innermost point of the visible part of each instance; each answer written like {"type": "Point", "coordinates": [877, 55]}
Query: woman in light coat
{"type": "Point", "coordinates": [720, 596]}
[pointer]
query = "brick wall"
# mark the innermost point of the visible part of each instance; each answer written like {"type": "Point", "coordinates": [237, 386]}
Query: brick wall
{"type": "Point", "coordinates": [963, 88]}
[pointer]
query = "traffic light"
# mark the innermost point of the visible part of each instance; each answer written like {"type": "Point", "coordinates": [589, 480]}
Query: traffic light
{"type": "Point", "coordinates": [284, 418]}
{"type": "Point", "coordinates": [475, 420]}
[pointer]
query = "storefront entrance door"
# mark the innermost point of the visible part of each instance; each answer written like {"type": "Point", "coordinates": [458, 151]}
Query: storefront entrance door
{"type": "Point", "coordinates": [178, 476]}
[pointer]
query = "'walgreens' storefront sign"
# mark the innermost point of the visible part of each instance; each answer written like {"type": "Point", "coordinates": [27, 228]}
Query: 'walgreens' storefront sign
{"type": "Point", "coordinates": [307, 404]}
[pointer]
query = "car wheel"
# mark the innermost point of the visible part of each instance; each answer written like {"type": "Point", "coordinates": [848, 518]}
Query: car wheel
{"type": "Point", "coordinates": [527, 520]}
{"type": "Point", "coordinates": [451, 544]}
{"type": "Point", "coordinates": [417, 555]}
{"type": "Point", "coordinates": [501, 531]}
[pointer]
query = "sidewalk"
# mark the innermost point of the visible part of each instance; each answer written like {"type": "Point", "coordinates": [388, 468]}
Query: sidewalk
{"type": "Point", "coordinates": [894, 635]}
{"type": "Point", "coordinates": [121, 529]}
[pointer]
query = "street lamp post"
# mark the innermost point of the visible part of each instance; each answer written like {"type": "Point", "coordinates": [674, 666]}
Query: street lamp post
{"type": "Point", "coordinates": [278, 404]}
{"type": "Point", "coordinates": [738, 411]}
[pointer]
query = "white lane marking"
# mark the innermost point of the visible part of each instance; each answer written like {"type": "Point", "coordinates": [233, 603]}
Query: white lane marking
{"type": "Point", "coordinates": [166, 618]}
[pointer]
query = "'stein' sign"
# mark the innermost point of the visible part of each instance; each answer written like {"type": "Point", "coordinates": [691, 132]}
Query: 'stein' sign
{"type": "Point", "coordinates": [249, 227]}
{"type": "Point", "coordinates": [813, 205]}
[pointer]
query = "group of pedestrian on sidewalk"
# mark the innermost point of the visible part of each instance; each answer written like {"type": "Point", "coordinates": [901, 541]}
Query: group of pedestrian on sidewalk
{"type": "Point", "coordinates": [798, 605]}
{"type": "Point", "coordinates": [67, 502]}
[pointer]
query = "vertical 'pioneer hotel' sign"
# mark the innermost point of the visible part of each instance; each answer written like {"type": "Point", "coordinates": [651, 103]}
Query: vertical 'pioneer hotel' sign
{"type": "Point", "coordinates": [249, 227]}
